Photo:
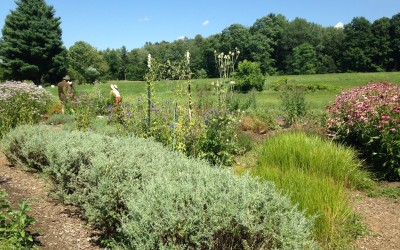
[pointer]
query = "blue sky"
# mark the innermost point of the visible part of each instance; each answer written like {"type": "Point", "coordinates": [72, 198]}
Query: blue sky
{"type": "Point", "coordinates": [114, 23]}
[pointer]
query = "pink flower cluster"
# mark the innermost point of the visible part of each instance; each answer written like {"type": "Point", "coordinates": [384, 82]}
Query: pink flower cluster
{"type": "Point", "coordinates": [373, 105]}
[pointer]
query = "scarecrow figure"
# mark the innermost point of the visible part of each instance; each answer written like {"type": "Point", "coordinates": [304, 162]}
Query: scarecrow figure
{"type": "Point", "coordinates": [114, 94]}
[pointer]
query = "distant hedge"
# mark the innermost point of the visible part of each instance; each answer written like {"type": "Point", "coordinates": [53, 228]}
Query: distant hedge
{"type": "Point", "coordinates": [143, 196]}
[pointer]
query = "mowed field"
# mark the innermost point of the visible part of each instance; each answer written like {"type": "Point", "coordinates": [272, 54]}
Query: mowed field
{"type": "Point", "coordinates": [267, 100]}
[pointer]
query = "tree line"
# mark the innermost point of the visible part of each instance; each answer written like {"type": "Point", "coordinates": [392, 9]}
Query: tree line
{"type": "Point", "coordinates": [33, 50]}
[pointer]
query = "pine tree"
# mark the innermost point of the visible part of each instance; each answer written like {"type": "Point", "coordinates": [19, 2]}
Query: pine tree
{"type": "Point", "coordinates": [32, 48]}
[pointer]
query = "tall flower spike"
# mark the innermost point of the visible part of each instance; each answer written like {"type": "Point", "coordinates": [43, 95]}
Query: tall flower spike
{"type": "Point", "coordinates": [149, 61]}
{"type": "Point", "coordinates": [188, 56]}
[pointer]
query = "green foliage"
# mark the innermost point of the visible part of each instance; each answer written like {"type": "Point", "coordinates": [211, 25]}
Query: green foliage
{"type": "Point", "coordinates": [368, 117]}
{"type": "Point", "coordinates": [32, 46]}
{"type": "Point", "coordinates": [85, 61]}
{"type": "Point", "coordinates": [304, 60]}
{"type": "Point", "coordinates": [205, 133]}
{"type": "Point", "coordinates": [144, 196]}
{"type": "Point", "coordinates": [279, 45]}
{"type": "Point", "coordinates": [84, 112]}
{"type": "Point", "coordinates": [392, 192]}
{"type": "Point", "coordinates": [200, 74]}
{"type": "Point", "coordinates": [58, 119]}
{"type": "Point", "coordinates": [14, 223]}
{"type": "Point", "coordinates": [294, 104]}
{"type": "Point", "coordinates": [249, 76]}
{"type": "Point", "coordinates": [315, 155]}
{"type": "Point", "coordinates": [113, 58]}
{"type": "Point", "coordinates": [313, 172]}
{"type": "Point", "coordinates": [395, 39]}
{"type": "Point", "coordinates": [22, 103]}
{"type": "Point", "coordinates": [357, 45]}
{"type": "Point", "coordinates": [209, 134]}
{"type": "Point", "coordinates": [219, 143]}
{"type": "Point", "coordinates": [382, 49]}
{"type": "Point", "coordinates": [92, 74]}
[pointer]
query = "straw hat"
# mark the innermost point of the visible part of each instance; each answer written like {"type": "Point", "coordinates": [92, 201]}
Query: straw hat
{"type": "Point", "coordinates": [67, 78]}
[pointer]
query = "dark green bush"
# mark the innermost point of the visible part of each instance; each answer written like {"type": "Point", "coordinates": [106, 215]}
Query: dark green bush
{"type": "Point", "coordinates": [144, 196]}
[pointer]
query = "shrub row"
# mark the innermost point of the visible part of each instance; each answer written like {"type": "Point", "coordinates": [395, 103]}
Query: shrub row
{"type": "Point", "coordinates": [144, 196]}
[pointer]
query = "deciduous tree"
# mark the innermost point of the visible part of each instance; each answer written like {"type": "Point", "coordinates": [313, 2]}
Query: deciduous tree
{"type": "Point", "coordinates": [380, 45]}
{"type": "Point", "coordinates": [395, 41]}
{"type": "Point", "coordinates": [357, 45]}
{"type": "Point", "coordinates": [304, 60]}
{"type": "Point", "coordinates": [82, 57]}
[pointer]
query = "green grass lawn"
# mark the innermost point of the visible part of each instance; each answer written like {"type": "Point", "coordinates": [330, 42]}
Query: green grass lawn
{"type": "Point", "coordinates": [265, 100]}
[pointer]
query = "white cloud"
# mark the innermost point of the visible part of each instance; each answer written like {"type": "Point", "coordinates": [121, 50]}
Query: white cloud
{"type": "Point", "coordinates": [144, 19]}
{"type": "Point", "coordinates": [181, 38]}
{"type": "Point", "coordinates": [205, 23]}
{"type": "Point", "coordinates": [339, 25]}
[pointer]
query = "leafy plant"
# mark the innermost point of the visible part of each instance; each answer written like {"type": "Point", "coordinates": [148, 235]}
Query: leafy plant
{"type": "Point", "coordinates": [294, 104]}
{"type": "Point", "coordinates": [392, 192]}
{"type": "Point", "coordinates": [249, 76]}
{"type": "Point", "coordinates": [13, 224]}
{"type": "Point", "coordinates": [84, 112]}
{"type": "Point", "coordinates": [22, 103]}
{"type": "Point", "coordinates": [205, 133]}
{"type": "Point", "coordinates": [368, 117]}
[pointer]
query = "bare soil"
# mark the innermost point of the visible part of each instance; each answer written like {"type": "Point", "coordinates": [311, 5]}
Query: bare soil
{"type": "Point", "coordinates": [60, 226]}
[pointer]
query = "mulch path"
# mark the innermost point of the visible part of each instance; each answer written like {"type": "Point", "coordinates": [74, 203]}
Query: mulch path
{"type": "Point", "coordinates": [59, 226]}
{"type": "Point", "coordinates": [382, 217]}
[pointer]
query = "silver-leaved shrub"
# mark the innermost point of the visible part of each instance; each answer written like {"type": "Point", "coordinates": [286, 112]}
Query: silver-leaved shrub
{"type": "Point", "coordinates": [144, 196]}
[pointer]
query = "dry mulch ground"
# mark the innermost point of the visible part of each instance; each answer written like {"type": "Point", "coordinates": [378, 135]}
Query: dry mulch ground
{"type": "Point", "coordinates": [382, 217]}
{"type": "Point", "coordinates": [59, 226]}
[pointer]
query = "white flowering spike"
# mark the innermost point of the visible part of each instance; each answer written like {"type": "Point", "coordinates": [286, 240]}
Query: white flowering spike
{"type": "Point", "coordinates": [149, 61]}
{"type": "Point", "coordinates": [188, 56]}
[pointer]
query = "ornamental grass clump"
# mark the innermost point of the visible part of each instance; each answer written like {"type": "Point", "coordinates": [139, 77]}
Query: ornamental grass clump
{"type": "Point", "coordinates": [368, 117]}
{"type": "Point", "coordinates": [144, 196]}
{"type": "Point", "coordinates": [314, 172]}
{"type": "Point", "coordinates": [22, 103]}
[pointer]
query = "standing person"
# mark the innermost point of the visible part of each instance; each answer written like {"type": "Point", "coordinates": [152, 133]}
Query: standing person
{"type": "Point", "coordinates": [65, 90]}
{"type": "Point", "coordinates": [115, 96]}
